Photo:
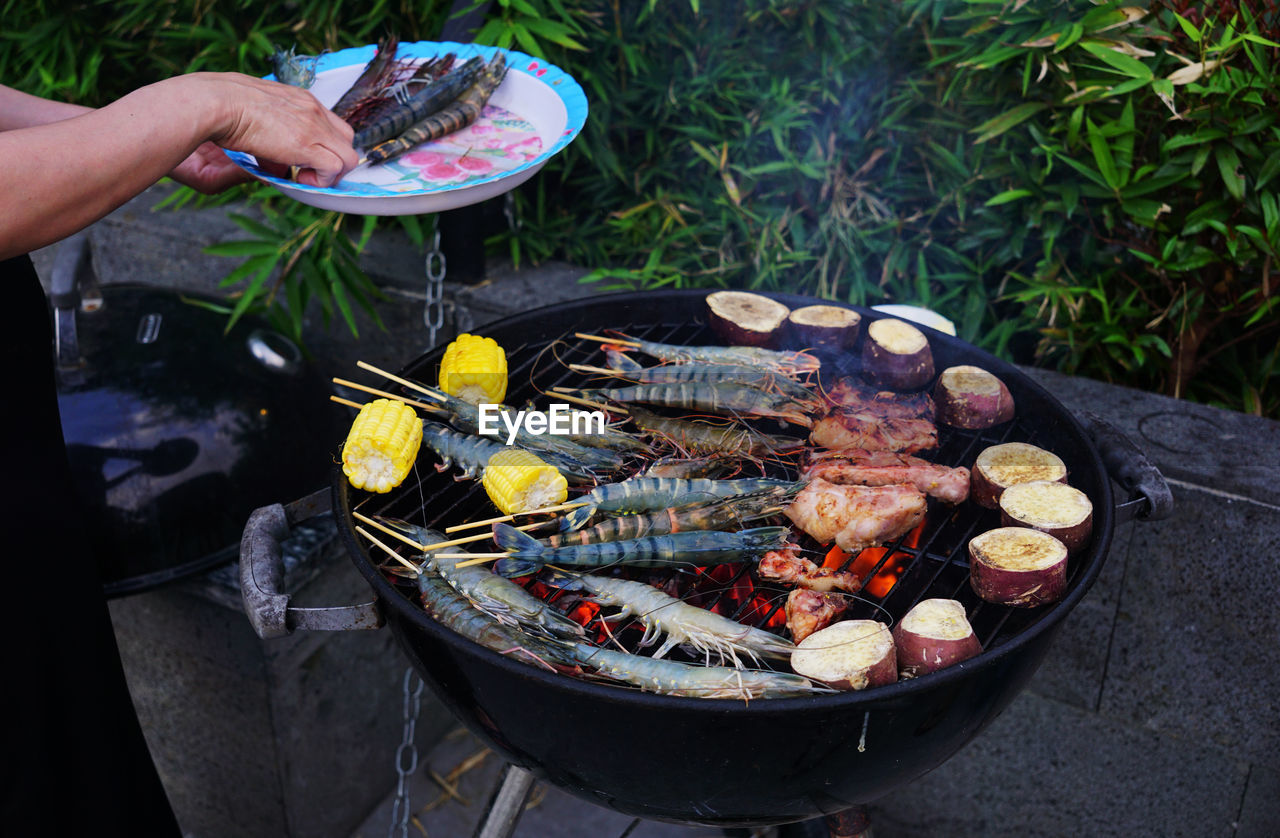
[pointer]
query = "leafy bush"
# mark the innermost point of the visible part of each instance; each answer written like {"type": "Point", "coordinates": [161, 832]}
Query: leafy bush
{"type": "Point", "coordinates": [1135, 156]}
{"type": "Point", "coordinates": [1083, 183]}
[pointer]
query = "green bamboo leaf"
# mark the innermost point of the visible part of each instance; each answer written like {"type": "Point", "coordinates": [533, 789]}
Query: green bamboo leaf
{"type": "Point", "coordinates": [1124, 142]}
{"type": "Point", "coordinates": [1188, 28]}
{"type": "Point", "coordinates": [998, 125]}
{"type": "Point", "coordinates": [1258, 39]}
{"type": "Point", "coordinates": [254, 226]}
{"type": "Point", "coordinates": [1202, 157]}
{"type": "Point", "coordinates": [1183, 140]}
{"type": "Point", "coordinates": [1073, 125]}
{"type": "Point", "coordinates": [1129, 86]}
{"type": "Point", "coordinates": [1145, 186]}
{"type": "Point", "coordinates": [1007, 196]}
{"type": "Point", "coordinates": [1074, 32]}
{"type": "Point", "coordinates": [243, 247]}
{"type": "Point", "coordinates": [1125, 64]}
{"type": "Point", "coordinates": [247, 298]}
{"type": "Point", "coordinates": [1229, 167]}
{"type": "Point", "coordinates": [1102, 155]}
{"type": "Point", "coordinates": [1270, 168]}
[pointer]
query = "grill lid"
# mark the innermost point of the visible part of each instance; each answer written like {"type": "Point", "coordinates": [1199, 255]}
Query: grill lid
{"type": "Point", "coordinates": [175, 432]}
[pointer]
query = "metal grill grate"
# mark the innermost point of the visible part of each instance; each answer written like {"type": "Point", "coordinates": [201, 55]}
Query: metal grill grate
{"type": "Point", "coordinates": [937, 566]}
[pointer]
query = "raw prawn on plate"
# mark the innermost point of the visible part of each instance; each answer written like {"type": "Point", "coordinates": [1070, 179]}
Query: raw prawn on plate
{"type": "Point", "coordinates": [536, 111]}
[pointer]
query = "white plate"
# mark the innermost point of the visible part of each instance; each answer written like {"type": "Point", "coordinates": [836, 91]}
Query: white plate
{"type": "Point", "coordinates": [536, 111]}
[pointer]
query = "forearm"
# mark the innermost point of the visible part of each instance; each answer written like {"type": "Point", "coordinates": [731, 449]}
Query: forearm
{"type": "Point", "coordinates": [22, 110]}
{"type": "Point", "coordinates": [58, 177]}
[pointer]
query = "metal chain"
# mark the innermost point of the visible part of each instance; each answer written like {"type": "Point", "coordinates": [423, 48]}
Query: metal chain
{"type": "Point", "coordinates": [433, 310]}
{"type": "Point", "coordinates": [509, 210]}
{"type": "Point", "coordinates": [400, 811]}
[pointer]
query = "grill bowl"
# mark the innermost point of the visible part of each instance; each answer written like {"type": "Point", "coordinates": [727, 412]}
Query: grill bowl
{"type": "Point", "coordinates": [727, 762]}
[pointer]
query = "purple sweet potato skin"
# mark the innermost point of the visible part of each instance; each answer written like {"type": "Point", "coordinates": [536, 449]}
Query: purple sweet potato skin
{"type": "Point", "coordinates": [824, 337]}
{"type": "Point", "coordinates": [1020, 588]}
{"type": "Point", "coordinates": [986, 492]}
{"type": "Point", "coordinates": [920, 653]}
{"type": "Point", "coordinates": [962, 407]}
{"type": "Point", "coordinates": [896, 371]}
{"type": "Point", "coordinates": [1074, 536]}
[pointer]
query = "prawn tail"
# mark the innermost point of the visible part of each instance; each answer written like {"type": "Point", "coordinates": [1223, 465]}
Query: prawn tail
{"type": "Point", "coordinates": [524, 552]}
{"type": "Point", "coordinates": [556, 578]}
{"type": "Point", "coordinates": [515, 568]}
{"type": "Point", "coordinates": [576, 519]}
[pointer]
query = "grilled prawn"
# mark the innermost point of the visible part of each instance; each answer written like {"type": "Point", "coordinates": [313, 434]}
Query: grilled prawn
{"type": "Point", "coordinates": [698, 547]}
{"type": "Point", "coordinates": [673, 678]}
{"type": "Point", "coordinates": [500, 598]}
{"type": "Point", "coordinates": [724, 397]}
{"type": "Point", "coordinates": [789, 363]}
{"type": "Point", "coordinates": [456, 612]}
{"type": "Point", "coordinates": [683, 624]}
{"type": "Point", "coordinates": [709, 515]}
{"type": "Point", "coordinates": [699, 437]}
{"type": "Point", "coordinates": [645, 494]}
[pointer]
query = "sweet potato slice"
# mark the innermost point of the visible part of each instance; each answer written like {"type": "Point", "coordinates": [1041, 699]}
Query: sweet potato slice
{"type": "Point", "coordinates": [933, 635]}
{"type": "Point", "coordinates": [1018, 566]}
{"type": "Point", "coordinates": [1001, 466]}
{"type": "Point", "coordinates": [972, 398]}
{"type": "Point", "coordinates": [744, 319]}
{"type": "Point", "coordinates": [1062, 511]}
{"type": "Point", "coordinates": [824, 328]}
{"type": "Point", "coordinates": [850, 655]}
{"type": "Point", "coordinates": [897, 355]}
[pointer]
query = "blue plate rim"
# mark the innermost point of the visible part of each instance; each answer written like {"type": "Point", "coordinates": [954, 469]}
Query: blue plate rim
{"type": "Point", "coordinates": [560, 82]}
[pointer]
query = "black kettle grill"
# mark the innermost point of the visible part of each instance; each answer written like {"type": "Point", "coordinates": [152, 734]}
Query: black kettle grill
{"type": "Point", "coordinates": [720, 762]}
{"type": "Point", "coordinates": [175, 428]}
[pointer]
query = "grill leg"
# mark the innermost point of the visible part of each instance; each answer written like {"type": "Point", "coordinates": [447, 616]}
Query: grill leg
{"type": "Point", "coordinates": [503, 812]}
{"type": "Point", "coordinates": [851, 823]}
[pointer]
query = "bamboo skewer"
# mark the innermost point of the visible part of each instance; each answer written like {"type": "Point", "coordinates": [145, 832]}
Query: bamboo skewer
{"type": "Point", "coordinates": [560, 391]}
{"type": "Point", "coordinates": [438, 545]}
{"type": "Point", "coordinates": [479, 558]}
{"type": "Point", "coordinates": [386, 395]}
{"type": "Point", "coordinates": [347, 402]}
{"type": "Point", "coordinates": [504, 518]}
{"type": "Point", "coordinates": [601, 370]}
{"type": "Point", "coordinates": [391, 552]}
{"type": "Point", "coordinates": [404, 382]}
{"type": "Point", "coordinates": [631, 343]}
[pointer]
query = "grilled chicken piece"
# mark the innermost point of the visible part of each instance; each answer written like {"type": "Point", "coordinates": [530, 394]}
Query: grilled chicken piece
{"type": "Point", "coordinates": [865, 429]}
{"type": "Point", "coordinates": [876, 420]}
{"type": "Point", "coordinates": [852, 394]}
{"type": "Point", "coordinates": [887, 468]}
{"type": "Point", "coordinates": [789, 568]}
{"type": "Point", "coordinates": [856, 516]}
{"type": "Point", "coordinates": [810, 611]}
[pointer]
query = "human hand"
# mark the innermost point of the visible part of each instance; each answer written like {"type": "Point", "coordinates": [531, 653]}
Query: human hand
{"type": "Point", "coordinates": [276, 122]}
{"type": "Point", "coordinates": [209, 170]}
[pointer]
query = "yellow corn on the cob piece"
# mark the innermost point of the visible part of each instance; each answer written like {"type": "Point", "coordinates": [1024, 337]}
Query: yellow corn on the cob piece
{"type": "Point", "coordinates": [519, 481]}
{"type": "Point", "coordinates": [382, 445]}
{"type": "Point", "coordinates": [475, 370]}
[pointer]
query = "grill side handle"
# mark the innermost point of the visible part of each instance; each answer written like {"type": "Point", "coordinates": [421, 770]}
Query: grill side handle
{"type": "Point", "coordinates": [1151, 498]}
{"type": "Point", "coordinates": [262, 577]}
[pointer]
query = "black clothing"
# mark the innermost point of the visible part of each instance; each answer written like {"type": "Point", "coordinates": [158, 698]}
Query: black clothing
{"type": "Point", "coordinates": [75, 761]}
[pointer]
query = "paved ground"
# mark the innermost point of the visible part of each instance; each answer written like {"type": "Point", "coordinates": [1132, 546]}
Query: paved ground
{"type": "Point", "coordinates": [1156, 713]}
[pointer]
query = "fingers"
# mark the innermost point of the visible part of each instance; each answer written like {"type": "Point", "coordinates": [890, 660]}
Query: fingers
{"type": "Point", "coordinates": [285, 124]}
{"type": "Point", "coordinates": [328, 170]}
